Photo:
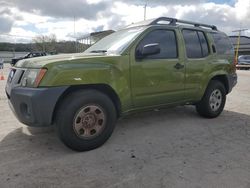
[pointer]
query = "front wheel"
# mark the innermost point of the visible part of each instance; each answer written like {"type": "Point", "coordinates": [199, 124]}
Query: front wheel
{"type": "Point", "coordinates": [213, 101]}
{"type": "Point", "coordinates": [85, 120]}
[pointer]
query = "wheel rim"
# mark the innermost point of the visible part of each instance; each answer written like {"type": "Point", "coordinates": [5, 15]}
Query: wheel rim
{"type": "Point", "coordinates": [215, 100]}
{"type": "Point", "coordinates": [89, 121]}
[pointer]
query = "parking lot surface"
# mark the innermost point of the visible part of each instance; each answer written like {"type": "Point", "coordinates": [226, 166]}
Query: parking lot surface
{"type": "Point", "coordinates": [168, 148]}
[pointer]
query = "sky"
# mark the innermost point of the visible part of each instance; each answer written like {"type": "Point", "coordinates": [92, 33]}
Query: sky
{"type": "Point", "coordinates": [21, 20]}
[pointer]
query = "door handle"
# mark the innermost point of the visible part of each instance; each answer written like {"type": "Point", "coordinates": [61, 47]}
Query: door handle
{"type": "Point", "coordinates": [178, 66]}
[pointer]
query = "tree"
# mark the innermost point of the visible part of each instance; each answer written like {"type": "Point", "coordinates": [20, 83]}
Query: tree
{"type": "Point", "coordinates": [45, 43]}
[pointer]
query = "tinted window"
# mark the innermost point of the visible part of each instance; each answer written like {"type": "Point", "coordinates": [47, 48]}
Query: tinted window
{"type": "Point", "coordinates": [222, 43]}
{"type": "Point", "coordinates": [166, 40]}
{"type": "Point", "coordinates": [192, 44]}
{"type": "Point", "coordinates": [204, 44]}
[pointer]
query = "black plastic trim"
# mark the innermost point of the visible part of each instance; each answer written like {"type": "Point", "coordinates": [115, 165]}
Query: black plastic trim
{"type": "Point", "coordinates": [35, 106]}
{"type": "Point", "coordinates": [232, 81]}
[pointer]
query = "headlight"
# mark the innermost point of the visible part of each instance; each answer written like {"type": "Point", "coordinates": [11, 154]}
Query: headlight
{"type": "Point", "coordinates": [32, 77]}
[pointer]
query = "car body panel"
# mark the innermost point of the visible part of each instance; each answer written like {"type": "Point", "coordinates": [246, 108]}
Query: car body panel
{"type": "Point", "coordinates": [156, 81]}
{"type": "Point", "coordinates": [107, 70]}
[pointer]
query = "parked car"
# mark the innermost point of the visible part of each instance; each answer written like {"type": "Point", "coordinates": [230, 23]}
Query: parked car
{"type": "Point", "coordinates": [148, 65]}
{"type": "Point", "coordinates": [244, 60]}
{"type": "Point", "coordinates": [29, 55]}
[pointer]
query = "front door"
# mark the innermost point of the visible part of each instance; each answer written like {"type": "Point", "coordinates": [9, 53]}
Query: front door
{"type": "Point", "coordinates": [158, 79]}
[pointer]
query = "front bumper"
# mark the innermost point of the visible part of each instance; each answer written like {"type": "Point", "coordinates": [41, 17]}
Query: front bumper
{"type": "Point", "coordinates": [34, 106]}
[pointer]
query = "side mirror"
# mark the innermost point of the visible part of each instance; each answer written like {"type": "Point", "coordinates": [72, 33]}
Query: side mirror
{"type": "Point", "coordinates": [151, 49]}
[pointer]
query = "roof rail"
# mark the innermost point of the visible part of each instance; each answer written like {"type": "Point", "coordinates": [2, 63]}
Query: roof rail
{"type": "Point", "coordinates": [172, 21]}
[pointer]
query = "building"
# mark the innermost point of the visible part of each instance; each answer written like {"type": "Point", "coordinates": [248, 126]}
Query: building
{"type": "Point", "coordinates": [244, 48]}
{"type": "Point", "coordinates": [91, 38]}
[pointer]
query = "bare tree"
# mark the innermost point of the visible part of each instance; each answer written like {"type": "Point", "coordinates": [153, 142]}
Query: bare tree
{"type": "Point", "coordinates": [45, 43]}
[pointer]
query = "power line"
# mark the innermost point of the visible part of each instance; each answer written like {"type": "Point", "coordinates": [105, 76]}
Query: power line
{"type": "Point", "coordinates": [239, 30]}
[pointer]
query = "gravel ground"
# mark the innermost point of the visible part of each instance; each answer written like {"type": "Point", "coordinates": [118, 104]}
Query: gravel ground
{"type": "Point", "coordinates": [167, 148]}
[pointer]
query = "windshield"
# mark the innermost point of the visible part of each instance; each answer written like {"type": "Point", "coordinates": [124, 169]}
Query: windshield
{"type": "Point", "coordinates": [116, 42]}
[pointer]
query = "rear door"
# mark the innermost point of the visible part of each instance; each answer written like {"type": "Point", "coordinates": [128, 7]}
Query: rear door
{"type": "Point", "coordinates": [198, 59]}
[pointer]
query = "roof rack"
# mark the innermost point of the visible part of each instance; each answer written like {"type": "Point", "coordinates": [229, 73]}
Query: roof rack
{"type": "Point", "coordinates": [172, 21]}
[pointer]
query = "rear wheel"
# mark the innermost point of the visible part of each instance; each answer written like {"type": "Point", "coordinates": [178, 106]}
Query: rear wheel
{"type": "Point", "coordinates": [213, 101]}
{"type": "Point", "coordinates": [85, 120]}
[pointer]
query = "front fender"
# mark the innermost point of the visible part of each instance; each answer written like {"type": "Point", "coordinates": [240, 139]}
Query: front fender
{"type": "Point", "coordinates": [110, 71]}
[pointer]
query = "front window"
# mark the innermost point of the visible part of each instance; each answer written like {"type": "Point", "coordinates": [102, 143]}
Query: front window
{"type": "Point", "coordinates": [117, 42]}
{"type": "Point", "coordinates": [167, 43]}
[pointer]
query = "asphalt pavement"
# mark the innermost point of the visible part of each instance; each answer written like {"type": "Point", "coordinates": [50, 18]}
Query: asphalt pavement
{"type": "Point", "coordinates": [168, 148]}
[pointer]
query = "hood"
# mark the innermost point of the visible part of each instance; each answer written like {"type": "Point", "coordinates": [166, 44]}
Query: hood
{"type": "Point", "coordinates": [40, 62]}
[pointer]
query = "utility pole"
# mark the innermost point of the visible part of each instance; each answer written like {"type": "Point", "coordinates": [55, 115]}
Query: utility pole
{"type": "Point", "coordinates": [75, 34]}
{"type": "Point", "coordinates": [145, 10]}
{"type": "Point", "coordinates": [238, 44]}
{"type": "Point", "coordinates": [43, 41]}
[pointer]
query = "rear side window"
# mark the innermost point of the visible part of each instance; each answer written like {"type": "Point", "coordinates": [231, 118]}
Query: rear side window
{"type": "Point", "coordinates": [195, 43]}
{"type": "Point", "coordinates": [222, 44]}
{"type": "Point", "coordinates": [167, 41]}
{"type": "Point", "coordinates": [203, 42]}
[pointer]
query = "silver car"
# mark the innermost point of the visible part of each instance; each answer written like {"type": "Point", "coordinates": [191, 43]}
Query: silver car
{"type": "Point", "coordinates": [244, 60]}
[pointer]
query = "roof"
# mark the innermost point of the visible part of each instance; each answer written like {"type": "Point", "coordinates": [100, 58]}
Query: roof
{"type": "Point", "coordinates": [243, 39]}
{"type": "Point", "coordinates": [100, 33]}
{"type": "Point", "coordinates": [244, 42]}
{"type": "Point", "coordinates": [96, 34]}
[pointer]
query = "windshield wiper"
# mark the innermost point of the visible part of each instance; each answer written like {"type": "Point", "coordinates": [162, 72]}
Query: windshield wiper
{"type": "Point", "coordinates": [98, 51]}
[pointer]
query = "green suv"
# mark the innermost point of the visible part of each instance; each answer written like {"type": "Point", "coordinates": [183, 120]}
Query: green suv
{"type": "Point", "coordinates": [151, 64]}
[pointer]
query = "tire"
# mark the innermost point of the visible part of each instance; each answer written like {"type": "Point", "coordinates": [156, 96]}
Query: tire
{"type": "Point", "coordinates": [85, 120]}
{"type": "Point", "coordinates": [213, 101]}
